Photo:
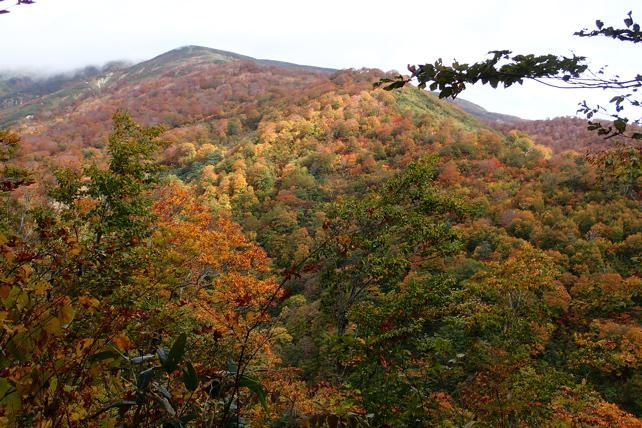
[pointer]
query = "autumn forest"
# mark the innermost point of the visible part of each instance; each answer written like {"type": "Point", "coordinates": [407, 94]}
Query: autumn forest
{"type": "Point", "coordinates": [207, 240]}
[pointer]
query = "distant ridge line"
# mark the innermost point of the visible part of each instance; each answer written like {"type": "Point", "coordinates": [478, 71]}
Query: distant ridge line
{"type": "Point", "coordinates": [189, 49]}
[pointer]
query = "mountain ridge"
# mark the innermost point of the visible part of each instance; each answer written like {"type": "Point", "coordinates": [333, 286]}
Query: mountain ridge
{"type": "Point", "coordinates": [17, 90]}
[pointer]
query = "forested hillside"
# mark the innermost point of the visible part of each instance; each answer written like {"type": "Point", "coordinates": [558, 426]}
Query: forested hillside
{"type": "Point", "coordinates": [204, 239]}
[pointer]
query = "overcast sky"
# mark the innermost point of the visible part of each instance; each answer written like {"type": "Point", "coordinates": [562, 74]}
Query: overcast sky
{"type": "Point", "coordinates": [56, 35]}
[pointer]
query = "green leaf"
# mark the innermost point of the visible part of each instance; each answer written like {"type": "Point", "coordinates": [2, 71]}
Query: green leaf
{"type": "Point", "coordinates": [175, 353]}
{"type": "Point", "coordinates": [104, 355]}
{"type": "Point", "coordinates": [185, 419]}
{"type": "Point", "coordinates": [620, 125]}
{"type": "Point", "coordinates": [256, 387]}
{"type": "Point", "coordinates": [11, 401]}
{"type": "Point", "coordinates": [395, 85]}
{"type": "Point", "coordinates": [4, 386]}
{"type": "Point", "coordinates": [190, 378]}
{"type": "Point", "coordinates": [446, 92]}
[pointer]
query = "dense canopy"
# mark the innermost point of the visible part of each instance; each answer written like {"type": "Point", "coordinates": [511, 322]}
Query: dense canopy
{"type": "Point", "coordinates": [261, 245]}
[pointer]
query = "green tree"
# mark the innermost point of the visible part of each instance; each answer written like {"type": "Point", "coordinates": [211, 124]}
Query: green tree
{"type": "Point", "coordinates": [107, 210]}
{"type": "Point", "coordinates": [61, 290]}
{"type": "Point", "coordinates": [11, 176]}
{"type": "Point", "coordinates": [373, 241]}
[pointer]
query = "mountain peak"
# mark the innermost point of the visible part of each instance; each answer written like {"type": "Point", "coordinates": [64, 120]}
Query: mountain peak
{"type": "Point", "coordinates": [191, 51]}
{"type": "Point", "coordinates": [183, 56]}
{"type": "Point", "coordinates": [194, 54]}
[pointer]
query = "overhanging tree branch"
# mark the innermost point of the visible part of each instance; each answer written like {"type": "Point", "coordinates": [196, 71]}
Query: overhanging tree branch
{"type": "Point", "coordinates": [559, 72]}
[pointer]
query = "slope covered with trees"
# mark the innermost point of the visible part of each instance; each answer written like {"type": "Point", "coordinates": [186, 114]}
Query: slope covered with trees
{"type": "Point", "coordinates": [296, 248]}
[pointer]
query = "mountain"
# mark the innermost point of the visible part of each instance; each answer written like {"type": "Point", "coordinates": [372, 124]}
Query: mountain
{"type": "Point", "coordinates": [560, 133]}
{"type": "Point", "coordinates": [264, 140]}
{"type": "Point", "coordinates": [184, 86]}
{"type": "Point", "coordinates": [23, 95]}
{"type": "Point", "coordinates": [312, 133]}
{"type": "Point", "coordinates": [194, 86]}
{"type": "Point", "coordinates": [197, 55]}
{"type": "Point", "coordinates": [18, 88]}
{"type": "Point", "coordinates": [481, 113]}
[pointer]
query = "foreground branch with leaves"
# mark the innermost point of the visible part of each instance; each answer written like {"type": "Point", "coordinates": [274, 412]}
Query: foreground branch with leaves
{"type": "Point", "coordinates": [556, 71]}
